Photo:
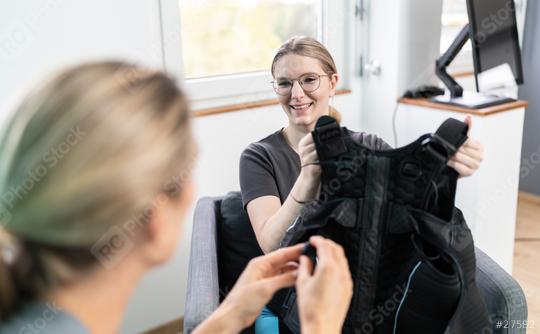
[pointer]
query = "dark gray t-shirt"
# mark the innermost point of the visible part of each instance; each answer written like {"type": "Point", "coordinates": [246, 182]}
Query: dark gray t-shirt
{"type": "Point", "coordinates": [271, 167]}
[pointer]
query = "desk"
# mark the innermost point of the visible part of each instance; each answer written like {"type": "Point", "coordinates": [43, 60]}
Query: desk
{"type": "Point", "coordinates": [488, 199]}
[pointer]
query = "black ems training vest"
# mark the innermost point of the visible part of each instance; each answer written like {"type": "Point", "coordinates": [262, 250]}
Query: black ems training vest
{"type": "Point", "coordinates": [410, 252]}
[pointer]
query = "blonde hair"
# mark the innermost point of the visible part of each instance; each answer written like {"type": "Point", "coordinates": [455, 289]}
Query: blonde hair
{"type": "Point", "coordinates": [91, 149]}
{"type": "Point", "coordinates": [309, 47]}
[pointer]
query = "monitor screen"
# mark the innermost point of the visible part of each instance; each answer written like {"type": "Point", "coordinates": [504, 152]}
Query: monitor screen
{"type": "Point", "coordinates": [494, 37]}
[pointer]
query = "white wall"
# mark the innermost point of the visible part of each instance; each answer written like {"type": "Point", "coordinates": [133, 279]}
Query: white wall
{"type": "Point", "coordinates": [404, 38]}
{"type": "Point", "coordinates": [38, 36]}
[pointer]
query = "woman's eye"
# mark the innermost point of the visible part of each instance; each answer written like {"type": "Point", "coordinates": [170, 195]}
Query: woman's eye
{"type": "Point", "coordinates": [309, 80]}
{"type": "Point", "coordinates": [284, 83]}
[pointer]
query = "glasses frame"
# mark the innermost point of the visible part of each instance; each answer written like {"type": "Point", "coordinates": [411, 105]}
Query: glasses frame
{"type": "Point", "coordinates": [273, 82]}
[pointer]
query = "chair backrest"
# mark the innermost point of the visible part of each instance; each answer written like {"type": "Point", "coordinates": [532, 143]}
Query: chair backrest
{"type": "Point", "coordinates": [202, 295]}
{"type": "Point", "coordinates": [237, 243]}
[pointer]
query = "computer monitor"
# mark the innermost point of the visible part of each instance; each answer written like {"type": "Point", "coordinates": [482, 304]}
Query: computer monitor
{"type": "Point", "coordinates": [492, 30]}
{"type": "Point", "coordinates": [495, 42]}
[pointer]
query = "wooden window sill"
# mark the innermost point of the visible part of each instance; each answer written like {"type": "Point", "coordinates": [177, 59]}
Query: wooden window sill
{"type": "Point", "coordinates": [248, 105]}
{"type": "Point", "coordinates": [175, 326]}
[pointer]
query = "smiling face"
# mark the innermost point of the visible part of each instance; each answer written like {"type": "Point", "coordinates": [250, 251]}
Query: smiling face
{"type": "Point", "coordinates": [304, 108]}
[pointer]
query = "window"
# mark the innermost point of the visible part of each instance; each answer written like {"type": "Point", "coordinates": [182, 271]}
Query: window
{"type": "Point", "coordinates": [223, 37]}
{"type": "Point", "coordinates": [454, 18]}
{"type": "Point", "coordinates": [228, 45]}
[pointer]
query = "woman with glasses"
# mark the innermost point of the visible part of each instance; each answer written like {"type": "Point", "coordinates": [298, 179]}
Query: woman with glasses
{"type": "Point", "coordinates": [279, 173]}
{"type": "Point", "coordinates": [95, 183]}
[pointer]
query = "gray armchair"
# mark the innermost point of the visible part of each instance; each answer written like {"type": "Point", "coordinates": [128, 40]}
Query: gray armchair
{"type": "Point", "coordinates": [503, 295]}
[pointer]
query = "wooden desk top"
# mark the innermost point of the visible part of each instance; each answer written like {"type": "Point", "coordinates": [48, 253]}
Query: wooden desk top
{"type": "Point", "coordinates": [479, 112]}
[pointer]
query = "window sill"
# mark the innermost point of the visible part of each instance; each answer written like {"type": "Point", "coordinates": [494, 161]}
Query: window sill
{"type": "Point", "coordinates": [247, 105]}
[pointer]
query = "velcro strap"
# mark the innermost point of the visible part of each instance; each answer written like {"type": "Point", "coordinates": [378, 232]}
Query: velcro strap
{"type": "Point", "coordinates": [451, 134]}
{"type": "Point", "coordinates": [328, 138]}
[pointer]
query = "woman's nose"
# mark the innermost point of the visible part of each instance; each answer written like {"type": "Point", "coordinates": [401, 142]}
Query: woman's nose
{"type": "Point", "coordinates": [296, 90]}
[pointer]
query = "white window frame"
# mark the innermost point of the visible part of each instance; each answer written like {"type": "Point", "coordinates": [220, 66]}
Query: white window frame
{"type": "Point", "coordinates": [243, 87]}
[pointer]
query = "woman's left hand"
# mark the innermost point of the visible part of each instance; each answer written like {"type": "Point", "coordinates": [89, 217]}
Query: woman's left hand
{"type": "Point", "coordinates": [469, 156]}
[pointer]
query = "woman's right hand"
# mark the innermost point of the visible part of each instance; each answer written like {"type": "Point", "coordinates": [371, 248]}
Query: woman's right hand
{"type": "Point", "coordinates": [309, 160]}
{"type": "Point", "coordinates": [262, 277]}
{"type": "Point", "coordinates": [309, 180]}
{"type": "Point", "coordinates": [324, 295]}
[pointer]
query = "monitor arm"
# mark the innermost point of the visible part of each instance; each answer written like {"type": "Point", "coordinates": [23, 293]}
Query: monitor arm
{"type": "Point", "coordinates": [442, 63]}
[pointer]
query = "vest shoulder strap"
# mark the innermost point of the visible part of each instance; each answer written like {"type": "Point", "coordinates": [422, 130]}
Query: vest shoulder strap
{"type": "Point", "coordinates": [451, 134]}
{"type": "Point", "coordinates": [328, 138]}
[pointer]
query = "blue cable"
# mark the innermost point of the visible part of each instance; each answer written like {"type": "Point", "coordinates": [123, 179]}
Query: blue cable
{"type": "Point", "coordinates": [405, 294]}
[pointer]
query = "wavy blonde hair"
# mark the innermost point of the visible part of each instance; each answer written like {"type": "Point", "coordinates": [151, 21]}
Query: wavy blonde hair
{"type": "Point", "coordinates": [309, 47]}
{"type": "Point", "coordinates": [90, 149]}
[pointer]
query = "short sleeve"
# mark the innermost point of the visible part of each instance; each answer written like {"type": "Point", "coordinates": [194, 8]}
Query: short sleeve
{"type": "Point", "coordinates": [371, 141]}
{"type": "Point", "coordinates": [257, 175]}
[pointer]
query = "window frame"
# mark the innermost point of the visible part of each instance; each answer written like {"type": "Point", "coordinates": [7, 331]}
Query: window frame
{"type": "Point", "coordinates": [240, 88]}
{"type": "Point", "coordinates": [463, 62]}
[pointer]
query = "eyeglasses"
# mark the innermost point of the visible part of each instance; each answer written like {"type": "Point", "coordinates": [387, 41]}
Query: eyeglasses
{"type": "Point", "coordinates": [309, 83]}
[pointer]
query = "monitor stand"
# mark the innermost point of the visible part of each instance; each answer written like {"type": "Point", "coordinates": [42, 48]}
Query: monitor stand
{"type": "Point", "coordinates": [472, 100]}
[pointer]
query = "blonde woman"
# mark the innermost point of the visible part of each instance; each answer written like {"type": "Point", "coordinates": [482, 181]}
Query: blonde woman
{"type": "Point", "coordinates": [95, 183]}
{"type": "Point", "coordinates": [279, 173]}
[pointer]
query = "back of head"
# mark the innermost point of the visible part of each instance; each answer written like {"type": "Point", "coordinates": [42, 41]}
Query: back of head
{"type": "Point", "coordinates": [90, 149]}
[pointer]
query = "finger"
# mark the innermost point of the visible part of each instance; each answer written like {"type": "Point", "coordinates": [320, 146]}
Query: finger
{"type": "Point", "coordinates": [308, 148]}
{"type": "Point", "coordinates": [473, 145]}
{"type": "Point", "coordinates": [340, 255]}
{"type": "Point", "coordinates": [274, 283]}
{"type": "Point", "coordinates": [279, 258]}
{"type": "Point", "coordinates": [289, 266]}
{"type": "Point", "coordinates": [306, 140]}
{"type": "Point", "coordinates": [460, 168]}
{"type": "Point", "coordinates": [305, 268]}
{"type": "Point", "coordinates": [468, 121]}
{"type": "Point", "coordinates": [304, 150]}
{"type": "Point", "coordinates": [466, 160]}
{"type": "Point", "coordinates": [310, 157]}
{"type": "Point", "coordinates": [325, 252]}
{"type": "Point", "coordinates": [292, 264]}
{"type": "Point", "coordinates": [475, 154]}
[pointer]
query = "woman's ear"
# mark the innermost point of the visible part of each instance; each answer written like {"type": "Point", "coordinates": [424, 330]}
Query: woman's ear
{"type": "Point", "coordinates": [165, 225]}
{"type": "Point", "coordinates": [334, 78]}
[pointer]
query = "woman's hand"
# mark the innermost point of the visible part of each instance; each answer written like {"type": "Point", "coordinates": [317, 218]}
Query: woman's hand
{"type": "Point", "coordinates": [325, 294]}
{"type": "Point", "coordinates": [263, 276]}
{"type": "Point", "coordinates": [469, 156]}
{"type": "Point", "coordinates": [309, 180]}
{"type": "Point", "coordinates": [309, 160]}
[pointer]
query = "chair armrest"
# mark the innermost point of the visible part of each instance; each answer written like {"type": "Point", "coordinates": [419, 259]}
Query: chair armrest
{"type": "Point", "coordinates": [503, 295]}
{"type": "Point", "coordinates": [202, 296]}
